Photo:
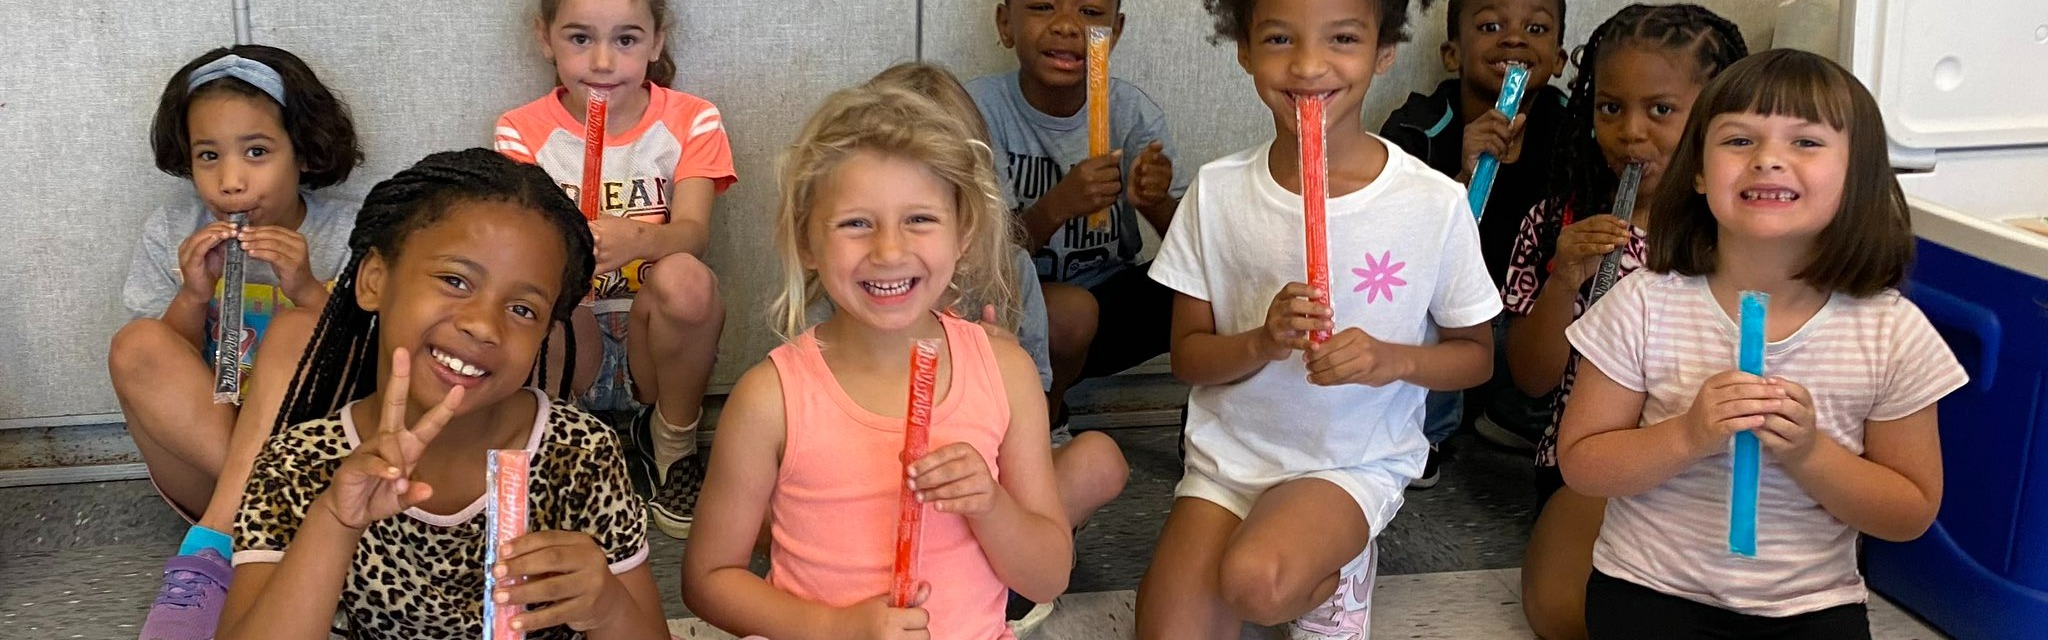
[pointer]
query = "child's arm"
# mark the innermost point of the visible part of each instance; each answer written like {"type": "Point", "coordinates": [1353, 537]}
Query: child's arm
{"type": "Point", "coordinates": [1603, 453]}
{"type": "Point", "coordinates": [199, 271]}
{"type": "Point", "coordinates": [295, 598]}
{"type": "Point", "coordinates": [1092, 185]}
{"type": "Point", "coordinates": [1891, 492]}
{"type": "Point", "coordinates": [1462, 358]}
{"type": "Point", "coordinates": [1203, 357]}
{"type": "Point", "coordinates": [1024, 533]}
{"type": "Point", "coordinates": [717, 585]}
{"type": "Point", "coordinates": [621, 240]}
{"type": "Point", "coordinates": [568, 572]}
{"type": "Point", "coordinates": [1537, 348]}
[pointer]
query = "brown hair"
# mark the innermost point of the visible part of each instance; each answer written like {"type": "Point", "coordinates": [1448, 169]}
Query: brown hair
{"type": "Point", "coordinates": [899, 123]}
{"type": "Point", "coordinates": [941, 86]}
{"type": "Point", "coordinates": [323, 136]}
{"type": "Point", "coordinates": [1866, 247]}
{"type": "Point", "coordinates": [662, 72]}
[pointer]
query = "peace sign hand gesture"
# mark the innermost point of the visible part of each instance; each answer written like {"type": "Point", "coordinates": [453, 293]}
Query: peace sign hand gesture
{"type": "Point", "coordinates": [374, 482]}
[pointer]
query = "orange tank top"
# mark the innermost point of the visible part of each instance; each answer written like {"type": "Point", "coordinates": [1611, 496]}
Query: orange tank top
{"type": "Point", "coordinates": [835, 502]}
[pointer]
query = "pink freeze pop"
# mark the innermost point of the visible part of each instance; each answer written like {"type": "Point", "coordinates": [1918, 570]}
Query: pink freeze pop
{"type": "Point", "coordinates": [1315, 195]}
{"type": "Point", "coordinates": [504, 520]}
{"type": "Point", "coordinates": [917, 427]}
{"type": "Point", "coordinates": [588, 195]}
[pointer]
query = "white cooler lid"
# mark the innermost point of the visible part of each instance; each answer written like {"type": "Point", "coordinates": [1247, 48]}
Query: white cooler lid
{"type": "Point", "coordinates": [1952, 75]}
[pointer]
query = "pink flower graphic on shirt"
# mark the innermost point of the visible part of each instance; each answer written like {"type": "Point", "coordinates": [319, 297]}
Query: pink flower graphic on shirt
{"type": "Point", "coordinates": [1377, 279]}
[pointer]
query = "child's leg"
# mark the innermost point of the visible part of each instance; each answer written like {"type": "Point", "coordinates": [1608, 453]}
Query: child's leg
{"type": "Point", "coordinates": [1559, 561]}
{"type": "Point", "coordinates": [673, 340]}
{"type": "Point", "coordinates": [263, 398]}
{"type": "Point", "coordinates": [1179, 597]}
{"type": "Point", "coordinates": [1135, 322]}
{"type": "Point", "coordinates": [165, 386]}
{"type": "Point", "coordinates": [1091, 471]}
{"type": "Point", "coordinates": [1071, 315]}
{"type": "Point", "coordinates": [1284, 560]}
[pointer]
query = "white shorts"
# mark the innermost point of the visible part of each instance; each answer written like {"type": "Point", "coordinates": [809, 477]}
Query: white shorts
{"type": "Point", "coordinates": [1378, 492]}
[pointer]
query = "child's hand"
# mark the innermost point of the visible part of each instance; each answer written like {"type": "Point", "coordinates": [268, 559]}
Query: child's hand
{"type": "Point", "coordinates": [872, 619]}
{"type": "Point", "coordinates": [1091, 186]}
{"type": "Point", "coordinates": [615, 241]}
{"type": "Point", "coordinates": [1492, 133]}
{"type": "Point", "coordinates": [565, 570]}
{"type": "Point", "coordinates": [1151, 177]}
{"type": "Point", "coordinates": [372, 483]}
{"type": "Point", "coordinates": [1788, 432]}
{"type": "Point", "coordinates": [1728, 402]}
{"type": "Point", "coordinates": [954, 479]}
{"type": "Point", "coordinates": [1354, 357]}
{"type": "Point", "coordinates": [989, 323]}
{"type": "Point", "coordinates": [286, 253]}
{"type": "Point", "coordinates": [1581, 245]}
{"type": "Point", "coordinates": [1292, 315]}
{"type": "Point", "coordinates": [199, 265]}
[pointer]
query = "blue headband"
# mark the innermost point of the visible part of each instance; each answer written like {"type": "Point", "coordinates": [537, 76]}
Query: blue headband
{"type": "Point", "coordinates": [255, 73]}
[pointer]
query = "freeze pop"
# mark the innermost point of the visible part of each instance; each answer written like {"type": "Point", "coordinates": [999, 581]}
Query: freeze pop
{"type": "Point", "coordinates": [1625, 209]}
{"type": "Point", "coordinates": [590, 196]}
{"type": "Point", "coordinates": [227, 355]}
{"type": "Point", "coordinates": [1098, 107]}
{"type": "Point", "coordinates": [504, 520]}
{"type": "Point", "coordinates": [917, 426]}
{"type": "Point", "coordinates": [1509, 103]}
{"type": "Point", "coordinates": [1315, 195]}
{"type": "Point", "coordinates": [1747, 463]}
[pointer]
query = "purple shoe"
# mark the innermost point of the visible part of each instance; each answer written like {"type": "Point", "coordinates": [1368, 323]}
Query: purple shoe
{"type": "Point", "coordinates": [194, 592]}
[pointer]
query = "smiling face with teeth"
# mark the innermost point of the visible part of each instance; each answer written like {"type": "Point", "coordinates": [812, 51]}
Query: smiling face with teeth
{"type": "Point", "coordinates": [1769, 177]}
{"type": "Point", "coordinates": [1330, 48]}
{"type": "Point", "coordinates": [1051, 40]}
{"type": "Point", "coordinates": [1487, 34]}
{"type": "Point", "coordinates": [884, 240]}
{"type": "Point", "coordinates": [470, 297]}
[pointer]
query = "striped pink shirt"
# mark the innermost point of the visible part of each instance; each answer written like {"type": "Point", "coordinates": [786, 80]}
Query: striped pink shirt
{"type": "Point", "coordinates": [1864, 359]}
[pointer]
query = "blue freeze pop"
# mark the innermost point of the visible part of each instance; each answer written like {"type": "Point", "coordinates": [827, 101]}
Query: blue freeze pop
{"type": "Point", "coordinates": [1509, 103]}
{"type": "Point", "coordinates": [1748, 461]}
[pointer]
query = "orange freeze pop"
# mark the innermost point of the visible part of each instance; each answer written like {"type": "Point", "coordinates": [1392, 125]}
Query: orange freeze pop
{"type": "Point", "coordinates": [1098, 107]}
{"type": "Point", "coordinates": [1315, 195]}
{"type": "Point", "coordinates": [589, 196]}
{"type": "Point", "coordinates": [917, 427]}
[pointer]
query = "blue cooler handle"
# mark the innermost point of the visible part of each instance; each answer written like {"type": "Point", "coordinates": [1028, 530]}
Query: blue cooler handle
{"type": "Point", "coordinates": [1951, 315]}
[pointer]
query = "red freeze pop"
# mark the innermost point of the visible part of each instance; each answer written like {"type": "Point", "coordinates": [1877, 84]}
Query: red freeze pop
{"type": "Point", "coordinates": [504, 520]}
{"type": "Point", "coordinates": [1315, 195]}
{"type": "Point", "coordinates": [917, 432]}
{"type": "Point", "coordinates": [588, 196]}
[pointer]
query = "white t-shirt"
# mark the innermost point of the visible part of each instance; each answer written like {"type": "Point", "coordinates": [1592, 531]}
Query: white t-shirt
{"type": "Point", "coordinates": [1863, 359]}
{"type": "Point", "coordinates": [1404, 259]}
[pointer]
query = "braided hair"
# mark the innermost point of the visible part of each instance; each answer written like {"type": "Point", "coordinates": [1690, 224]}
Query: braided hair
{"type": "Point", "coordinates": [1581, 177]}
{"type": "Point", "coordinates": [339, 365]}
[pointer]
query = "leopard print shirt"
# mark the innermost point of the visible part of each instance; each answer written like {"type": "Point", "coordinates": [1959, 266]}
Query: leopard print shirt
{"type": "Point", "coordinates": [418, 575]}
{"type": "Point", "coordinates": [1528, 268]}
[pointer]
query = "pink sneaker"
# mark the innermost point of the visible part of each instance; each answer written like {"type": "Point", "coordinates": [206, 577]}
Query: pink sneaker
{"type": "Point", "coordinates": [1347, 615]}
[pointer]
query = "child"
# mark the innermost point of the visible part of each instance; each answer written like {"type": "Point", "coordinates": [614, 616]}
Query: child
{"type": "Point", "coordinates": [1296, 462]}
{"type": "Point", "coordinates": [1790, 195]}
{"type": "Point", "coordinates": [1637, 76]}
{"type": "Point", "coordinates": [1090, 468]}
{"type": "Point", "coordinates": [1105, 315]}
{"type": "Point", "coordinates": [889, 210]}
{"type": "Point", "coordinates": [370, 503]}
{"type": "Point", "coordinates": [1449, 129]}
{"type": "Point", "coordinates": [257, 133]}
{"type": "Point", "coordinates": [665, 158]}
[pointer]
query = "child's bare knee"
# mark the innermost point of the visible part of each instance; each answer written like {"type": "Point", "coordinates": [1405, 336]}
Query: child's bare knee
{"type": "Point", "coordinates": [1103, 459]}
{"type": "Point", "coordinates": [684, 290]}
{"type": "Point", "coordinates": [1555, 616]}
{"type": "Point", "coordinates": [140, 349]}
{"type": "Point", "coordinates": [1254, 587]}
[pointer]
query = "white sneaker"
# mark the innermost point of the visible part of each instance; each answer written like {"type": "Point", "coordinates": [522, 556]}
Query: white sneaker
{"type": "Point", "coordinates": [1347, 615]}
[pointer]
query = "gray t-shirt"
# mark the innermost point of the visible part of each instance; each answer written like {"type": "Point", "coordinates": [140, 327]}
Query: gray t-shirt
{"type": "Point", "coordinates": [1034, 150]}
{"type": "Point", "coordinates": [153, 277]}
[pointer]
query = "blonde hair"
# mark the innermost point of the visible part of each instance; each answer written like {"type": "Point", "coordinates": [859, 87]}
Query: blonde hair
{"type": "Point", "coordinates": [941, 86]}
{"type": "Point", "coordinates": [899, 123]}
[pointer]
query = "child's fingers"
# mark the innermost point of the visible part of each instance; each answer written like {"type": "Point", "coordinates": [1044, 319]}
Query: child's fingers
{"type": "Point", "coordinates": [396, 389]}
{"type": "Point", "coordinates": [562, 612]}
{"type": "Point", "coordinates": [943, 475]}
{"type": "Point", "coordinates": [537, 542]}
{"type": "Point", "coordinates": [543, 588]}
{"type": "Point", "coordinates": [430, 424]}
{"type": "Point", "coordinates": [1794, 390]}
{"type": "Point", "coordinates": [923, 592]}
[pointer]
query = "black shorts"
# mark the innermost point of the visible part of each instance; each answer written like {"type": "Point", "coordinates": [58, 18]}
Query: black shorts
{"type": "Point", "coordinates": [1617, 609]}
{"type": "Point", "coordinates": [1135, 323]}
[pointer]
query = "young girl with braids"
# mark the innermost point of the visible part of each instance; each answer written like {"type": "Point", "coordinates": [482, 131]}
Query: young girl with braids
{"type": "Point", "coordinates": [370, 501]}
{"type": "Point", "coordinates": [1637, 77]}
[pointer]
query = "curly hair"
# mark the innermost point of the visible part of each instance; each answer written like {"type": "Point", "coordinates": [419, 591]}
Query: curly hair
{"type": "Point", "coordinates": [1234, 20]}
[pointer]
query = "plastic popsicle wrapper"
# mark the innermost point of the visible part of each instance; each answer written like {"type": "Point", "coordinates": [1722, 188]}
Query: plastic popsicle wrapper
{"type": "Point", "coordinates": [1509, 103]}
{"type": "Point", "coordinates": [1747, 462]}
{"type": "Point", "coordinates": [1315, 196]}
{"type": "Point", "coordinates": [917, 431]}
{"type": "Point", "coordinates": [590, 196]}
{"type": "Point", "coordinates": [227, 356]}
{"type": "Point", "coordinates": [1098, 107]}
{"type": "Point", "coordinates": [1625, 209]}
{"type": "Point", "coordinates": [504, 520]}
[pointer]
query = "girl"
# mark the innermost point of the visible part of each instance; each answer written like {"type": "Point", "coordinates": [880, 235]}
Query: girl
{"type": "Point", "coordinates": [370, 502]}
{"type": "Point", "coordinates": [1790, 194]}
{"type": "Point", "coordinates": [665, 158]}
{"type": "Point", "coordinates": [1296, 462]}
{"type": "Point", "coordinates": [258, 134]}
{"type": "Point", "coordinates": [890, 210]}
{"type": "Point", "coordinates": [1637, 76]}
